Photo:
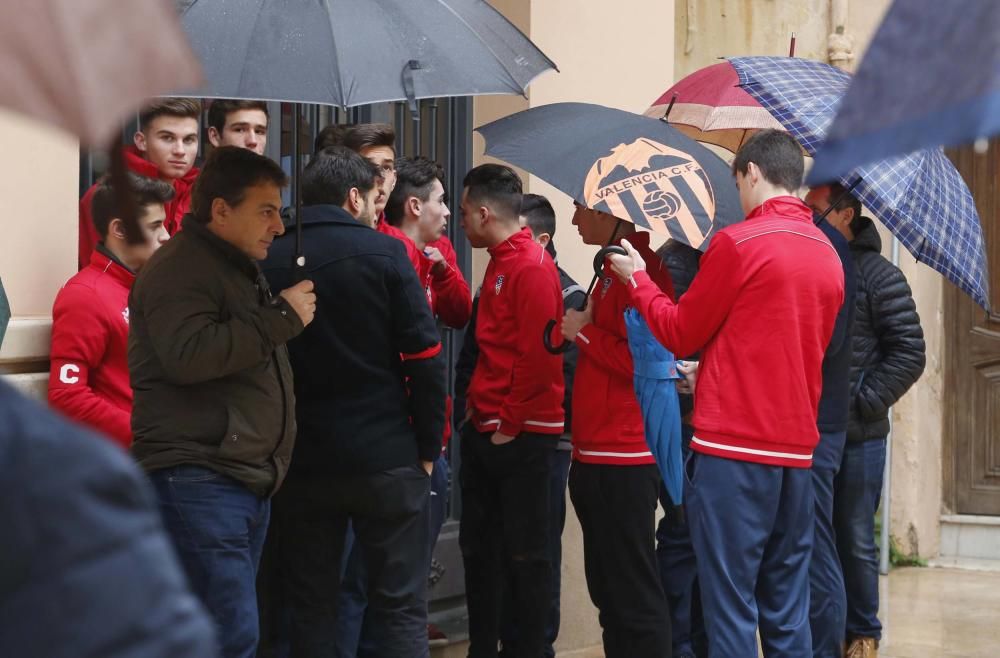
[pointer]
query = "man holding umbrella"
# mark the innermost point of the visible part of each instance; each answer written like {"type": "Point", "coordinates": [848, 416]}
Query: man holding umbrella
{"type": "Point", "coordinates": [614, 482]}
{"type": "Point", "coordinates": [762, 310]}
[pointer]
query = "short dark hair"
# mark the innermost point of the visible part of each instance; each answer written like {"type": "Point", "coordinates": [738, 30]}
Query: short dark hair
{"type": "Point", "coordinates": [849, 201]}
{"type": "Point", "coordinates": [105, 205]}
{"type": "Point", "coordinates": [227, 174]}
{"type": "Point", "coordinates": [185, 108]}
{"type": "Point", "coordinates": [332, 173]}
{"type": "Point", "coordinates": [367, 135]}
{"type": "Point", "coordinates": [498, 185]}
{"type": "Point", "coordinates": [414, 177]}
{"type": "Point", "coordinates": [538, 214]}
{"type": "Point", "coordinates": [331, 135]}
{"type": "Point", "coordinates": [776, 154]}
{"type": "Point", "coordinates": [221, 108]}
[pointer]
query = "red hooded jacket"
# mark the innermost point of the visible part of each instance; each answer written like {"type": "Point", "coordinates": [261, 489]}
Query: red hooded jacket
{"type": "Point", "coordinates": [89, 378]}
{"type": "Point", "coordinates": [517, 386]}
{"type": "Point", "coordinates": [762, 310]}
{"type": "Point", "coordinates": [607, 422]}
{"type": "Point", "coordinates": [176, 208]}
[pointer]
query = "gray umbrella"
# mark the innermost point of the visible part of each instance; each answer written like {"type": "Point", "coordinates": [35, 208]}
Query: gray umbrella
{"type": "Point", "coordinates": [355, 52]}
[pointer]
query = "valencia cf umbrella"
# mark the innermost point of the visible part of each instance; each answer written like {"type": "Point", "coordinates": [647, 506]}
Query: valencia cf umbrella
{"type": "Point", "coordinates": [633, 167]}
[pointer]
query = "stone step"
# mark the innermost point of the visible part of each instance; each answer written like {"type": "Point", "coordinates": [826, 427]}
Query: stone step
{"type": "Point", "coordinates": [966, 536]}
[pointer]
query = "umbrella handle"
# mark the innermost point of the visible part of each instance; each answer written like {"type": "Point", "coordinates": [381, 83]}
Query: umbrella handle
{"type": "Point", "coordinates": [547, 340]}
{"type": "Point", "coordinates": [604, 253]}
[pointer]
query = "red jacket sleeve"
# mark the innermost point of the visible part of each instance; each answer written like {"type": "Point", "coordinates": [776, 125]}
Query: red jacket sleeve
{"type": "Point", "coordinates": [606, 347]}
{"type": "Point", "coordinates": [88, 234]}
{"type": "Point", "coordinates": [685, 327]}
{"type": "Point", "coordinates": [450, 291]}
{"type": "Point", "coordinates": [529, 381]}
{"type": "Point", "coordinates": [79, 341]}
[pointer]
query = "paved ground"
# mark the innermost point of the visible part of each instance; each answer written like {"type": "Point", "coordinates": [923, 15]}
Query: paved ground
{"type": "Point", "coordinates": [928, 613]}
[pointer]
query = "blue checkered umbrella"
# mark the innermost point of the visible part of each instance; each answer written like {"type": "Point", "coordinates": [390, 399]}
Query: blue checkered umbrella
{"type": "Point", "coordinates": [920, 197]}
{"type": "Point", "coordinates": [951, 97]}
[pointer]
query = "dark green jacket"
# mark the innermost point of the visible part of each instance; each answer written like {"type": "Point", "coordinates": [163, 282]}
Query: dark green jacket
{"type": "Point", "coordinates": [208, 363]}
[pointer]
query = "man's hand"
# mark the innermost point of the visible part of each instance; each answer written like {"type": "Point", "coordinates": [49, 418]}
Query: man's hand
{"type": "Point", "coordinates": [302, 299]}
{"type": "Point", "coordinates": [499, 439]}
{"type": "Point", "coordinates": [690, 371]}
{"type": "Point", "coordinates": [575, 320]}
{"type": "Point", "coordinates": [428, 466]}
{"type": "Point", "coordinates": [438, 263]}
{"type": "Point", "coordinates": [625, 266]}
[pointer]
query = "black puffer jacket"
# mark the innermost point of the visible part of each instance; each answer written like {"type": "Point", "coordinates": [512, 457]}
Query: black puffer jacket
{"type": "Point", "coordinates": [888, 341]}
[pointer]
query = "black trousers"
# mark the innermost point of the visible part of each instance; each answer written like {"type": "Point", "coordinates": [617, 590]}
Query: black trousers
{"type": "Point", "coordinates": [504, 537]}
{"type": "Point", "coordinates": [389, 514]}
{"type": "Point", "coordinates": [616, 506]}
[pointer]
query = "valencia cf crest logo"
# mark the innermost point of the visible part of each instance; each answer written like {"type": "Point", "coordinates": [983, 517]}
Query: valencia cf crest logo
{"type": "Point", "coordinates": [499, 284]}
{"type": "Point", "coordinates": [604, 286]}
{"type": "Point", "coordinates": [661, 188]}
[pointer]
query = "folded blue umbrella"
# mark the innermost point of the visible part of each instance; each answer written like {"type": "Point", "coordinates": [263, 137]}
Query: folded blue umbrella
{"type": "Point", "coordinates": [655, 377]}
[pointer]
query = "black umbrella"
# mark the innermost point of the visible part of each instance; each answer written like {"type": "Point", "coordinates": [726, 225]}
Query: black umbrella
{"type": "Point", "coordinates": [635, 168]}
{"type": "Point", "coordinates": [355, 52]}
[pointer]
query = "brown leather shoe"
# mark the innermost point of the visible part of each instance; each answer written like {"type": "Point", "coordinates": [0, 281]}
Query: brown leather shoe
{"type": "Point", "coordinates": [862, 647]}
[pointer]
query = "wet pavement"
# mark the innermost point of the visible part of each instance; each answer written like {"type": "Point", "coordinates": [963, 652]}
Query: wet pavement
{"type": "Point", "coordinates": [927, 613]}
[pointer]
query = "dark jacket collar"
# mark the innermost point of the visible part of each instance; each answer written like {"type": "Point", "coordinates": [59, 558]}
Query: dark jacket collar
{"type": "Point", "coordinates": [329, 214]}
{"type": "Point", "coordinates": [102, 249]}
{"type": "Point", "coordinates": [867, 238]}
{"type": "Point", "coordinates": [227, 251]}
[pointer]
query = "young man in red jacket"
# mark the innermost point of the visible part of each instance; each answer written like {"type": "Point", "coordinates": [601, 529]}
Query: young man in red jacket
{"type": "Point", "coordinates": [614, 482]}
{"type": "Point", "coordinates": [762, 311]}
{"type": "Point", "coordinates": [418, 207]}
{"type": "Point", "coordinates": [239, 123]}
{"type": "Point", "coordinates": [88, 378]}
{"type": "Point", "coordinates": [165, 148]}
{"type": "Point", "coordinates": [515, 418]}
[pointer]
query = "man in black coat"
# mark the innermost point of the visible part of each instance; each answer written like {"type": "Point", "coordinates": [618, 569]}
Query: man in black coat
{"type": "Point", "coordinates": [888, 357]}
{"type": "Point", "coordinates": [370, 390]}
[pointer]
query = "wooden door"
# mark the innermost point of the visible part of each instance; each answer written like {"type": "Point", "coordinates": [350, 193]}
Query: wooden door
{"type": "Point", "coordinates": [972, 381]}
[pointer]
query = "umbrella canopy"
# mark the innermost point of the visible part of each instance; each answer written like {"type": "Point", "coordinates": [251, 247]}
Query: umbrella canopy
{"type": "Point", "coordinates": [655, 377]}
{"type": "Point", "coordinates": [920, 197]}
{"type": "Point", "coordinates": [355, 52]}
{"type": "Point", "coordinates": [930, 77]}
{"type": "Point", "coordinates": [84, 66]}
{"type": "Point", "coordinates": [710, 106]}
{"type": "Point", "coordinates": [627, 165]}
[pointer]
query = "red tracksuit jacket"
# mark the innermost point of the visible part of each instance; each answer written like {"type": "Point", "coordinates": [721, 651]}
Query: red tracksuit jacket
{"type": "Point", "coordinates": [176, 208]}
{"type": "Point", "coordinates": [762, 310]}
{"type": "Point", "coordinates": [517, 386]}
{"type": "Point", "coordinates": [89, 379]}
{"type": "Point", "coordinates": [447, 290]}
{"type": "Point", "coordinates": [607, 422]}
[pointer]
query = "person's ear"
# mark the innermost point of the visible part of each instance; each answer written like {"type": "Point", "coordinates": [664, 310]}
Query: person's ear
{"type": "Point", "coordinates": [220, 211]}
{"type": "Point", "coordinates": [544, 239]}
{"type": "Point", "coordinates": [214, 137]}
{"type": "Point", "coordinates": [116, 228]}
{"type": "Point", "coordinates": [753, 173]}
{"type": "Point", "coordinates": [139, 139]}
{"type": "Point", "coordinates": [356, 199]}
{"type": "Point", "coordinates": [413, 206]}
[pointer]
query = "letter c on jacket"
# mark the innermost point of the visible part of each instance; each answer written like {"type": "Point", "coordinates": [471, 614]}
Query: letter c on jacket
{"type": "Point", "coordinates": [65, 373]}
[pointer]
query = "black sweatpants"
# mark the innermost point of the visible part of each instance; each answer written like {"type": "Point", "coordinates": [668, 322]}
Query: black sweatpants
{"type": "Point", "coordinates": [616, 506]}
{"type": "Point", "coordinates": [389, 514]}
{"type": "Point", "coordinates": [504, 530]}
